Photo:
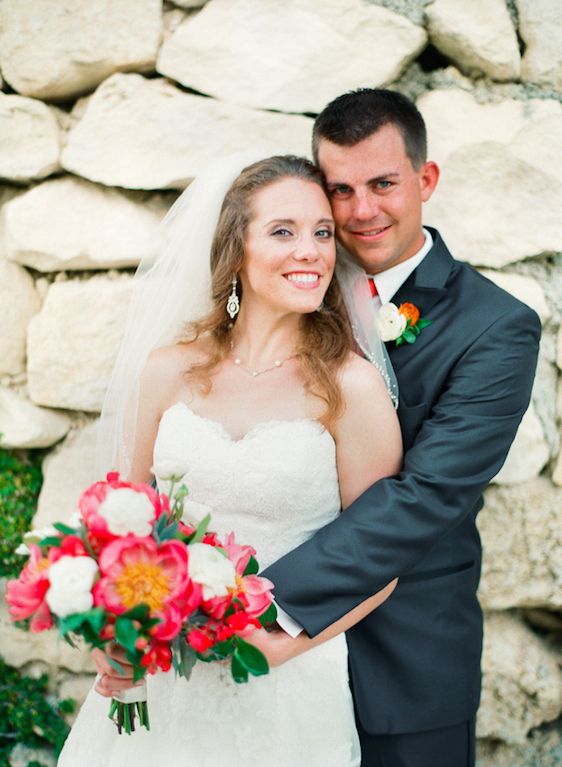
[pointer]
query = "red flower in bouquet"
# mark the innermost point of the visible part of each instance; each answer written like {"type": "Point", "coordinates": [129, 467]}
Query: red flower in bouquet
{"type": "Point", "coordinates": [138, 572]}
{"type": "Point", "coordinates": [26, 594]}
{"type": "Point", "coordinates": [113, 509]}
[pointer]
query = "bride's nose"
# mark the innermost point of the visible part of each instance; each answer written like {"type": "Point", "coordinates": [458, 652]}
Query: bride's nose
{"type": "Point", "coordinates": [307, 249]}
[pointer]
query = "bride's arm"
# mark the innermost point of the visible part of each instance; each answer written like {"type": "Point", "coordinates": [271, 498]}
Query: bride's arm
{"type": "Point", "coordinates": [368, 448]}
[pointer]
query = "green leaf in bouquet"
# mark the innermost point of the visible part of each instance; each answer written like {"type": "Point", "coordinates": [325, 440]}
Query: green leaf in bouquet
{"type": "Point", "coordinates": [68, 639]}
{"type": "Point", "coordinates": [116, 665]}
{"type": "Point", "coordinates": [64, 529]}
{"type": "Point", "coordinates": [252, 658]}
{"type": "Point", "coordinates": [71, 622]}
{"type": "Point", "coordinates": [139, 612]}
{"type": "Point", "coordinates": [95, 618]}
{"type": "Point", "coordinates": [138, 673]}
{"type": "Point", "coordinates": [201, 529]}
{"type": "Point", "coordinates": [126, 633]}
{"type": "Point", "coordinates": [269, 616]}
{"type": "Point", "coordinates": [169, 532]}
{"type": "Point", "coordinates": [252, 568]}
{"type": "Point", "coordinates": [238, 670]}
{"type": "Point", "coordinates": [50, 540]}
{"type": "Point", "coordinates": [188, 659]}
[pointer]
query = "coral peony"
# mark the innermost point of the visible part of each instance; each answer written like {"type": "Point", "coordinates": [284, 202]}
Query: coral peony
{"type": "Point", "coordinates": [143, 572]}
{"type": "Point", "coordinates": [26, 594]}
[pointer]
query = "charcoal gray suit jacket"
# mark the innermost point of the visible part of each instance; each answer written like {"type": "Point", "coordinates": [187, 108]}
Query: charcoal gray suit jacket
{"type": "Point", "coordinates": [464, 387]}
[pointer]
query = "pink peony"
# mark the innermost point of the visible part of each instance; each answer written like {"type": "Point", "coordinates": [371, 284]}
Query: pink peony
{"type": "Point", "coordinates": [142, 571]}
{"type": "Point", "coordinates": [26, 594]}
{"type": "Point", "coordinates": [253, 590]}
{"type": "Point", "coordinates": [113, 509]}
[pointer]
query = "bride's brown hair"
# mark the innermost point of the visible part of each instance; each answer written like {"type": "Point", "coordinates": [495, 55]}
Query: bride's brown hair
{"type": "Point", "coordinates": [326, 336]}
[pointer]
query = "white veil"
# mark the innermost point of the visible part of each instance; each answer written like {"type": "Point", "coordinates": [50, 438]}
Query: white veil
{"type": "Point", "coordinates": [173, 287]}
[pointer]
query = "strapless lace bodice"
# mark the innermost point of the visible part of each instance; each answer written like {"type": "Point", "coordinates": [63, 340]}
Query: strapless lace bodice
{"type": "Point", "coordinates": [274, 487]}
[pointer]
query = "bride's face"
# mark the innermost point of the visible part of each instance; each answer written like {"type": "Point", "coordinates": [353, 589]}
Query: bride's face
{"type": "Point", "coordinates": [289, 253]}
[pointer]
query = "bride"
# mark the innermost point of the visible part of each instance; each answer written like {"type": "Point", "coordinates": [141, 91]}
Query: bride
{"type": "Point", "coordinates": [278, 426]}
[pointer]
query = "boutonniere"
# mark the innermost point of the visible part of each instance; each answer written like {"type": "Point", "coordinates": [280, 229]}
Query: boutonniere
{"type": "Point", "coordinates": [401, 324]}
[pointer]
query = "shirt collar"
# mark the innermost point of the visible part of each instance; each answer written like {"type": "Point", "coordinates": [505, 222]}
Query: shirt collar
{"type": "Point", "coordinates": [389, 281]}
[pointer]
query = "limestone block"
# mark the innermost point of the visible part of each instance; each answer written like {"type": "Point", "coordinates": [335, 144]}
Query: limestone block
{"type": "Point", "coordinates": [146, 134]}
{"type": "Point", "coordinates": [19, 301]}
{"type": "Point", "coordinates": [67, 472]}
{"type": "Point", "coordinates": [483, 190]}
{"type": "Point", "coordinates": [540, 26]}
{"type": "Point", "coordinates": [539, 143]}
{"type": "Point", "coordinates": [526, 289]}
{"type": "Point", "coordinates": [240, 52]}
{"type": "Point", "coordinates": [22, 755]}
{"type": "Point", "coordinates": [30, 145]}
{"type": "Point", "coordinates": [77, 688]}
{"type": "Point", "coordinates": [68, 223]}
{"type": "Point", "coordinates": [24, 425]}
{"type": "Point", "coordinates": [522, 683]}
{"type": "Point", "coordinates": [478, 36]}
{"type": "Point", "coordinates": [73, 342]}
{"type": "Point", "coordinates": [542, 748]}
{"type": "Point", "coordinates": [58, 49]}
{"type": "Point", "coordinates": [21, 647]}
{"type": "Point", "coordinates": [455, 118]}
{"type": "Point", "coordinates": [521, 530]}
{"type": "Point", "coordinates": [528, 454]}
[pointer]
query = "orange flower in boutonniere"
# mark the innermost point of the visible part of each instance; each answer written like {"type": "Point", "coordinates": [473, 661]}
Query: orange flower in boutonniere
{"type": "Point", "coordinates": [401, 324]}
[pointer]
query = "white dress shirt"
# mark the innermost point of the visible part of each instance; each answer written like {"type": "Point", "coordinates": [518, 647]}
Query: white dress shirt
{"type": "Point", "coordinates": [387, 283]}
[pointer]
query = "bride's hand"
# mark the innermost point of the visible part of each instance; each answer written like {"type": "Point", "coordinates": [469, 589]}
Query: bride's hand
{"type": "Point", "coordinates": [110, 681]}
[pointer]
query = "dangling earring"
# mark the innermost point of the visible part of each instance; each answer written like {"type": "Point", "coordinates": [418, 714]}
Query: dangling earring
{"type": "Point", "coordinates": [233, 303]}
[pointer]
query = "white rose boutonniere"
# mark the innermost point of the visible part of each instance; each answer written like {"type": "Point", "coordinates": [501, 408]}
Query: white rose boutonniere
{"type": "Point", "coordinates": [401, 324]}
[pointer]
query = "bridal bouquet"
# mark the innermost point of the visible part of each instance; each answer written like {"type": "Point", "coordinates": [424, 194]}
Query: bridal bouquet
{"type": "Point", "coordinates": [133, 568]}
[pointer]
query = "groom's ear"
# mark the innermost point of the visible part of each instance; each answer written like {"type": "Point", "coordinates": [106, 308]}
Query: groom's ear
{"type": "Point", "coordinates": [429, 176]}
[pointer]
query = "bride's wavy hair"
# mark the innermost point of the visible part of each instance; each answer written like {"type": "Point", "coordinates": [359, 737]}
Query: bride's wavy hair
{"type": "Point", "coordinates": [326, 336]}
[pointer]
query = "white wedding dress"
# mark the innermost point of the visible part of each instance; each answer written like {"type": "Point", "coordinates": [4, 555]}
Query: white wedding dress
{"type": "Point", "coordinates": [273, 488]}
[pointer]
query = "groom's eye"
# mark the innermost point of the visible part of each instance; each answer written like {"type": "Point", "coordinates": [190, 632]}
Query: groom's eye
{"type": "Point", "coordinates": [383, 184]}
{"type": "Point", "coordinates": [339, 191]}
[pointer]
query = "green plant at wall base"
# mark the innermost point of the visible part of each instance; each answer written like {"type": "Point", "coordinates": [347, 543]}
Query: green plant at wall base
{"type": "Point", "coordinates": [20, 482]}
{"type": "Point", "coordinates": [27, 714]}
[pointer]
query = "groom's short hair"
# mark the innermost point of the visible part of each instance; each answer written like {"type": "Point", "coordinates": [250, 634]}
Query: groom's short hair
{"type": "Point", "coordinates": [356, 115]}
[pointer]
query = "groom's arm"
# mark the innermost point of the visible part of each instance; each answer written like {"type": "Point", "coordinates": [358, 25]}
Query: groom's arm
{"type": "Point", "coordinates": [393, 525]}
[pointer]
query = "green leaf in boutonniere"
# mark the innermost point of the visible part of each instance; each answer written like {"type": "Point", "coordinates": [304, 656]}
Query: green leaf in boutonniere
{"type": "Point", "coordinates": [401, 324]}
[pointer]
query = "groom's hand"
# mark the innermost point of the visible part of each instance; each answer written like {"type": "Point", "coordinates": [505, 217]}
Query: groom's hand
{"type": "Point", "coordinates": [277, 646]}
{"type": "Point", "coordinates": [110, 681]}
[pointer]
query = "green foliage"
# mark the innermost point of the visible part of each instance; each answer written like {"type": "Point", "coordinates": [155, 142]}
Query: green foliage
{"type": "Point", "coordinates": [27, 714]}
{"type": "Point", "coordinates": [20, 482]}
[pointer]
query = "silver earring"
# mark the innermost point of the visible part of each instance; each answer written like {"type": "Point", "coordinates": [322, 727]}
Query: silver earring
{"type": "Point", "coordinates": [319, 308]}
{"type": "Point", "coordinates": [233, 304]}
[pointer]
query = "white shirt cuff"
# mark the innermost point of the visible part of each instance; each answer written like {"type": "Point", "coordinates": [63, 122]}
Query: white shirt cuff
{"type": "Point", "coordinates": [288, 624]}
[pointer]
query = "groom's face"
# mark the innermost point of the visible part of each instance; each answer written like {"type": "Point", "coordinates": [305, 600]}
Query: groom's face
{"type": "Point", "coordinates": [376, 196]}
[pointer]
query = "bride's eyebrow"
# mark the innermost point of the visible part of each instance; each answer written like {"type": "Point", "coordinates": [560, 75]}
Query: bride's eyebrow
{"type": "Point", "coordinates": [292, 221]}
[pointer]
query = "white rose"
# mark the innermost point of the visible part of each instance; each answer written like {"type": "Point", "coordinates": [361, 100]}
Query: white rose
{"type": "Point", "coordinates": [211, 569]}
{"type": "Point", "coordinates": [71, 580]}
{"type": "Point", "coordinates": [127, 511]}
{"type": "Point", "coordinates": [170, 468]}
{"type": "Point", "coordinates": [194, 513]}
{"type": "Point", "coordinates": [391, 322]}
{"type": "Point", "coordinates": [23, 550]}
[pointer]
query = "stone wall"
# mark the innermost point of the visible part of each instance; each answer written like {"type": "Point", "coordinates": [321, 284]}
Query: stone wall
{"type": "Point", "coordinates": [108, 109]}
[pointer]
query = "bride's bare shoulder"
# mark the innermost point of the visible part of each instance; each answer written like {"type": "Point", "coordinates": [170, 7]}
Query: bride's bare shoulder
{"type": "Point", "coordinates": [359, 378]}
{"type": "Point", "coordinates": [166, 365]}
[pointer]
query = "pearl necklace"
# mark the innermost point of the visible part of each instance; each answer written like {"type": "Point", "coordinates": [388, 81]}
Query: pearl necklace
{"type": "Point", "coordinates": [255, 373]}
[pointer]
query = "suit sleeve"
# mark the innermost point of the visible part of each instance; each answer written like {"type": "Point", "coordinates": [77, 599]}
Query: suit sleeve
{"type": "Point", "coordinates": [389, 529]}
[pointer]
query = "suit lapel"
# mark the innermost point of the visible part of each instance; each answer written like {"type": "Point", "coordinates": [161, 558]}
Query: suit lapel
{"type": "Point", "coordinates": [424, 288]}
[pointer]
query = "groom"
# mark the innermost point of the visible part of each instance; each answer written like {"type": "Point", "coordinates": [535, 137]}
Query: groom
{"type": "Point", "coordinates": [465, 384]}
